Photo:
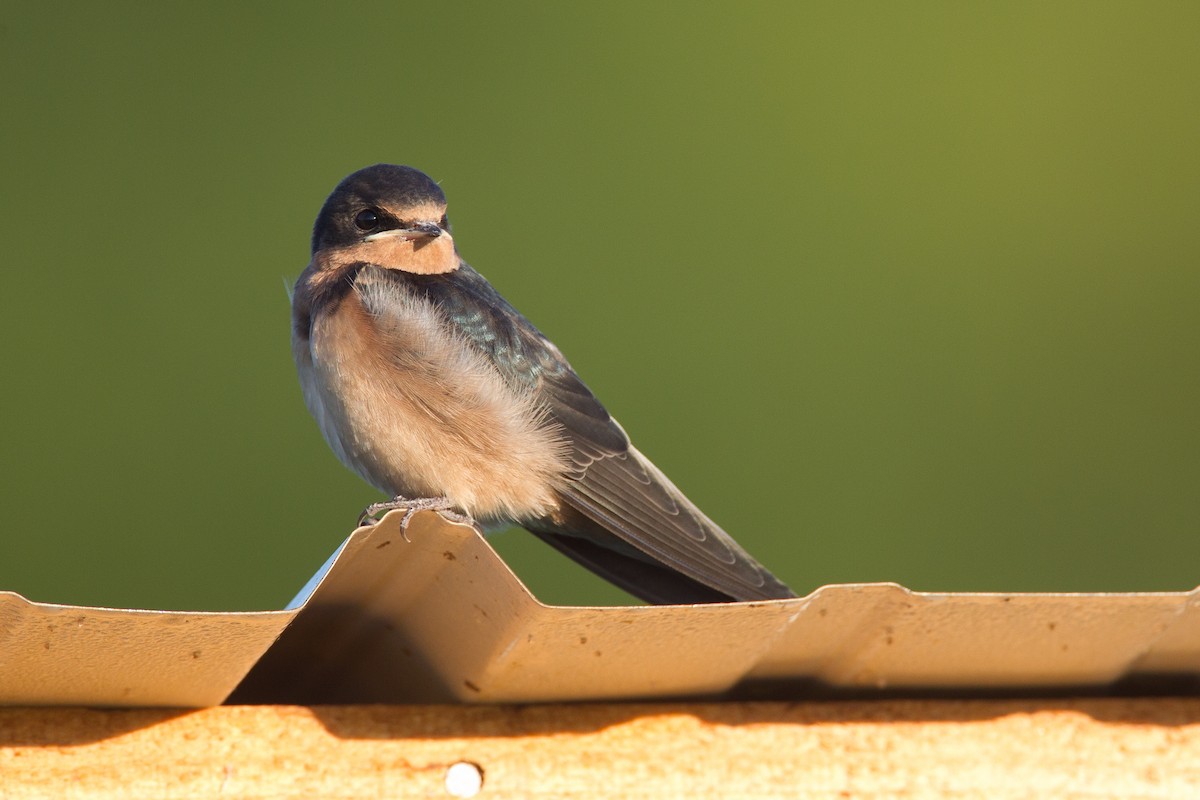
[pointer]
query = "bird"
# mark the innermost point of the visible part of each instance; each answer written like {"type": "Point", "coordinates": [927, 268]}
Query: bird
{"type": "Point", "coordinates": [432, 387]}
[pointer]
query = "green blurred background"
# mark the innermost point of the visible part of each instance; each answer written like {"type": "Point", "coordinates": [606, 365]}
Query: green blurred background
{"type": "Point", "coordinates": [896, 292]}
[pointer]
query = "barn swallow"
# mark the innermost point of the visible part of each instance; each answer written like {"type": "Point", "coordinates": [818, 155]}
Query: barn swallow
{"type": "Point", "coordinates": [428, 384]}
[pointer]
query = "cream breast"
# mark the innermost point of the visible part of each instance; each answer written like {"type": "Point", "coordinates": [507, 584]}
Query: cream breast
{"type": "Point", "coordinates": [418, 412]}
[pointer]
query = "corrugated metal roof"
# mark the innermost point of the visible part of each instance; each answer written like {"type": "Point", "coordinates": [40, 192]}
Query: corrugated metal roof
{"type": "Point", "coordinates": [434, 615]}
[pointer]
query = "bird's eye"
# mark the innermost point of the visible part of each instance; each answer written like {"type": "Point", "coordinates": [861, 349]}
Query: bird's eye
{"type": "Point", "coordinates": [367, 219]}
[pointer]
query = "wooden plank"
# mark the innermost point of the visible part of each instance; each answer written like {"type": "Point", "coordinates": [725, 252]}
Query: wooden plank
{"type": "Point", "coordinates": [1095, 748]}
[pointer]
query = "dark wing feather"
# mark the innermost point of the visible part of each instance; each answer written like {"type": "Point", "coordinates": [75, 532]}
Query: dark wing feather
{"type": "Point", "coordinates": [648, 580]}
{"type": "Point", "coordinates": [637, 513]}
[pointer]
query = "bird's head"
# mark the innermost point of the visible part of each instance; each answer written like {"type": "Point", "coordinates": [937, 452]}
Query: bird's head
{"type": "Point", "coordinates": [389, 216]}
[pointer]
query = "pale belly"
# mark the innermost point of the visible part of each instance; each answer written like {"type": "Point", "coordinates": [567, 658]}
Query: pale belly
{"type": "Point", "coordinates": [419, 413]}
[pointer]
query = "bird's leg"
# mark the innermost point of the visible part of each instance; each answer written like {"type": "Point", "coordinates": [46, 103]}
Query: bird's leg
{"type": "Point", "coordinates": [442, 505]}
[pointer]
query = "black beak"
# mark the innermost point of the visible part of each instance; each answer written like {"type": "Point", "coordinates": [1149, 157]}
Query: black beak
{"type": "Point", "coordinates": [409, 230]}
{"type": "Point", "coordinates": [430, 229]}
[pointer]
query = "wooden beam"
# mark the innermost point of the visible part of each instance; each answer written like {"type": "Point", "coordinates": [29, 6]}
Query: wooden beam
{"type": "Point", "coordinates": [1095, 748]}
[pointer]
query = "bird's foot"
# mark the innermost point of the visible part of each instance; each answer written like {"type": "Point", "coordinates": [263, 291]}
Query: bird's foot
{"type": "Point", "coordinates": [442, 505]}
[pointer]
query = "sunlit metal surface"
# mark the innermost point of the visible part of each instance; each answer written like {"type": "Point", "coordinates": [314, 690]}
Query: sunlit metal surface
{"type": "Point", "coordinates": [434, 615]}
{"type": "Point", "coordinates": [74, 655]}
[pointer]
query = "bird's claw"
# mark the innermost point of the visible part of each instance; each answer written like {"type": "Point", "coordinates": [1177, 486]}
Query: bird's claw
{"type": "Point", "coordinates": [442, 505]}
